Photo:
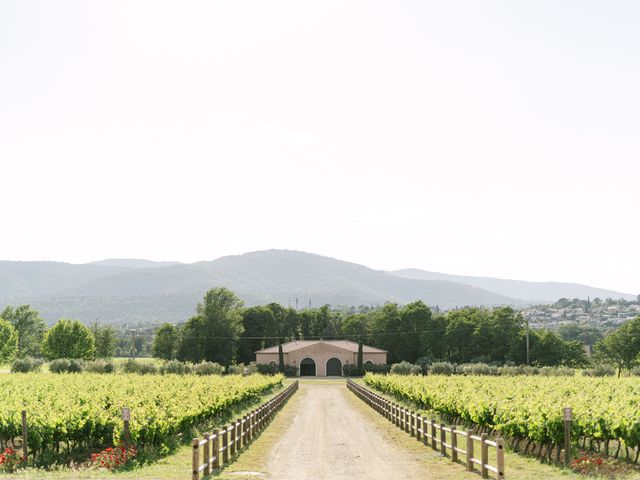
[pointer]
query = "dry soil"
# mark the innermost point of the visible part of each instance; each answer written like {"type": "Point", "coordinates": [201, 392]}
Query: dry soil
{"type": "Point", "coordinates": [330, 439]}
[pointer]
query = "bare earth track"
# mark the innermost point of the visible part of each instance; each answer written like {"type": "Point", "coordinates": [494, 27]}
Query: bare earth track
{"type": "Point", "coordinates": [330, 439]}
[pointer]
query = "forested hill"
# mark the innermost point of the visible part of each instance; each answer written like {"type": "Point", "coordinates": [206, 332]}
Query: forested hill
{"type": "Point", "coordinates": [533, 292]}
{"type": "Point", "coordinates": [131, 291]}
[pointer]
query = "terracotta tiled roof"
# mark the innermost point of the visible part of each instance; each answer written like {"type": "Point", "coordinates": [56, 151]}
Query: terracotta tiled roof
{"type": "Point", "coordinates": [345, 344]}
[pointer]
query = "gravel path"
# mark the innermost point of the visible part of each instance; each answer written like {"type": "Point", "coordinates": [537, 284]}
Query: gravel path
{"type": "Point", "coordinates": [331, 439]}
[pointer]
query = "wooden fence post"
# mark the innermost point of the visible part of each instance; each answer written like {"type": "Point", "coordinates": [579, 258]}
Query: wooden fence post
{"type": "Point", "coordinates": [418, 426]}
{"type": "Point", "coordinates": [225, 445]}
{"type": "Point", "coordinates": [500, 458]}
{"type": "Point", "coordinates": [195, 460]}
{"type": "Point", "coordinates": [207, 454]}
{"type": "Point", "coordinates": [454, 444]}
{"type": "Point", "coordinates": [443, 440]}
{"type": "Point", "coordinates": [425, 434]}
{"type": "Point", "coordinates": [232, 439]}
{"type": "Point", "coordinates": [567, 417]}
{"type": "Point", "coordinates": [433, 434]}
{"type": "Point", "coordinates": [484, 455]}
{"type": "Point", "coordinates": [216, 449]}
{"type": "Point", "coordinates": [25, 437]}
{"type": "Point", "coordinates": [469, 450]}
{"type": "Point", "coordinates": [413, 423]}
{"type": "Point", "coordinates": [407, 420]}
{"type": "Point", "coordinates": [126, 418]}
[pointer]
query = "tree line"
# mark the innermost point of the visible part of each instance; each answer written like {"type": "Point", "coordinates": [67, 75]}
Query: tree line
{"type": "Point", "coordinates": [23, 333]}
{"type": "Point", "coordinates": [224, 331]}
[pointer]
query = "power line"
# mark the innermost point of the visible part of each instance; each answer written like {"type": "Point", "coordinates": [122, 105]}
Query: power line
{"type": "Point", "coordinates": [337, 336]}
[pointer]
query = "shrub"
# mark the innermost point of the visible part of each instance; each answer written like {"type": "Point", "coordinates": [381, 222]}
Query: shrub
{"type": "Point", "coordinates": [26, 365]}
{"type": "Point", "coordinates": [441, 368]}
{"type": "Point", "coordinates": [600, 371]}
{"type": "Point", "coordinates": [267, 368]}
{"type": "Point", "coordinates": [424, 363]}
{"type": "Point", "coordinates": [406, 368]}
{"type": "Point", "coordinates": [131, 366]}
{"type": "Point", "coordinates": [114, 458]}
{"type": "Point", "coordinates": [100, 366]}
{"type": "Point", "coordinates": [290, 371]}
{"type": "Point", "coordinates": [351, 370]}
{"type": "Point", "coordinates": [208, 368]}
{"type": "Point", "coordinates": [76, 365]}
{"type": "Point", "coordinates": [175, 367]}
{"type": "Point", "coordinates": [557, 371]}
{"type": "Point", "coordinates": [519, 370]}
{"type": "Point", "coordinates": [236, 369]}
{"type": "Point", "coordinates": [377, 368]}
{"type": "Point", "coordinates": [10, 459]}
{"type": "Point", "coordinates": [60, 365]}
{"type": "Point", "coordinates": [66, 365]}
{"type": "Point", "coordinates": [478, 369]}
{"type": "Point", "coordinates": [251, 369]}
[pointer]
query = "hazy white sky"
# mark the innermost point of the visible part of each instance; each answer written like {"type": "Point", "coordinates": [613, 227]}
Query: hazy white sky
{"type": "Point", "coordinates": [488, 138]}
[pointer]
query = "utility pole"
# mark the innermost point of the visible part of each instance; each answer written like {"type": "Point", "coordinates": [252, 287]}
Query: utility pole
{"type": "Point", "coordinates": [133, 343]}
{"type": "Point", "coordinates": [527, 341]}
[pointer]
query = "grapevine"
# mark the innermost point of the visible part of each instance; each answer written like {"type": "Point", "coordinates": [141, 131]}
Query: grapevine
{"type": "Point", "coordinates": [531, 408]}
{"type": "Point", "coordinates": [82, 412]}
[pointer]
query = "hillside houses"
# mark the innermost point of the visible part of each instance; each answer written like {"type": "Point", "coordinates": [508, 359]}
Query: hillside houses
{"type": "Point", "coordinates": [596, 313]}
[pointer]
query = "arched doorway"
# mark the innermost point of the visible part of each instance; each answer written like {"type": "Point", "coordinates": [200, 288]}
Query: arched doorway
{"type": "Point", "coordinates": [334, 367]}
{"type": "Point", "coordinates": [307, 368]}
{"type": "Point", "coordinates": [367, 364]}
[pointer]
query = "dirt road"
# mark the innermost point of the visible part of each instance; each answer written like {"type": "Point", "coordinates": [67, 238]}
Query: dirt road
{"type": "Point", "coordinates": [330, 439]}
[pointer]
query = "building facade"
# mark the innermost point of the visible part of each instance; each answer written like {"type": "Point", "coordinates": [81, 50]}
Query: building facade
{"type": "Point", "coordinates": [321, 358]}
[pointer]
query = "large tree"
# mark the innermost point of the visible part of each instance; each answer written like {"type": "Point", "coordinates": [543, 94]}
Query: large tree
{"type": "Point", "coordinates": [105, 339]}
{"type": "Point", "coordinates": [8, 341]}
{"type": "Point", "coordinates": [165, 342]}
{"type": "Point", "coordinates": [212, 334]}
{"type": "Point", "coordinates": [69, 339]}
{"type": "Point", "coordinates": [384, 331]}
{"type": "Point", "coordinates": [260, 330]}
{"type": "Point", "coordinates": [356, 327]}
{"type": "Point", "coordinates": [30, 327]}
{"type": "Point", "coordinates": [464, 332]}
{"type": "Point", "coordinates": [287, 320]}
{"type": "Point", "coordinates": [622, 346]}
{"type": "Point", "coordinates": [324, 323]}
{"type": "Point", "coordinates": [506, 325]}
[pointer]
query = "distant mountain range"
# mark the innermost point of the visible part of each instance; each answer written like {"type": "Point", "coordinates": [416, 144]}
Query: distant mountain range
{"type": "Point", "coordinates": [531, 292]}
{"type": "Point", "coordinates": [131, 290]}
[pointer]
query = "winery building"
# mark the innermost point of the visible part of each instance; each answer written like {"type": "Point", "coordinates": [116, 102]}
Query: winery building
{"type": "Point", "coordinates": [321, 358]}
